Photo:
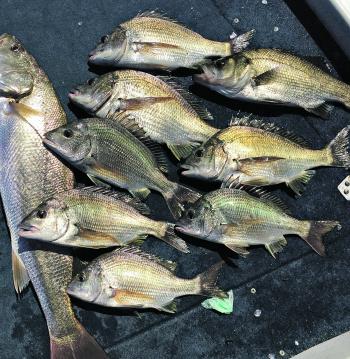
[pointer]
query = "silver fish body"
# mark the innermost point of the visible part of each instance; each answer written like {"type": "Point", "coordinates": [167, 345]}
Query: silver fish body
{"type": "Point", "coordinates": [29, 175]}
{"type": "Point", "coordinates": [128, 277]}
{"type": "Point", "coordinates": [153, 41]}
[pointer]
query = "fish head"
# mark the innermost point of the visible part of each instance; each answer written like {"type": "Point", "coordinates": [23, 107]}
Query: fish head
{"type": "Point", "coordinates": [16, 79]}
{"type": "Point", "coordinates": [72, 141]}
{"type": "Point", "coordinates": [206, 161]}
{"type": "Point", "coordinates": [92, 95]}
{"type": "Point", "coordinates": [110, 49]}
{"type": "Point", "coordinates": [198, 220]}
{"type": "Point", "coordinates": [87, 285]}
{"type": "Point", "coordinates": [228, 72]}
{"type": "Point", "coordinates": [48, 222]}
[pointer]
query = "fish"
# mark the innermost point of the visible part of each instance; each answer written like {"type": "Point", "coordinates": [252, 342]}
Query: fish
{"type": "Point", "coordinates": [130, 278]}
{"type": "Point", "coordinates": [153, 41]}
{"type": "Point", "coordinates": [275, 77]}
{"type": "Point", "coordinates": [95, 217]}
{"type": "Point", "coordinates": [164, 111]}
{"type": "Point", "coordinates": [108, 153]}
{"type": "Point", "coordinates": [253, 153]}
{"type": "Point", "coordinates": [29, 175]}
{"type": "Point", "coordinates": [239, 219]}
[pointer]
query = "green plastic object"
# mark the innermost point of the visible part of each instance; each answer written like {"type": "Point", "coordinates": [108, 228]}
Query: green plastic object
{"type": "Point", "coordinates": [221, 305]}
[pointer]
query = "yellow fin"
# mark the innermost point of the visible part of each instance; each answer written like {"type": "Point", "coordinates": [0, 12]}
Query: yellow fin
{"type": "Point", "coordinates": [19, 273]}
{"type": "Point", "coordinates": [141, 193]}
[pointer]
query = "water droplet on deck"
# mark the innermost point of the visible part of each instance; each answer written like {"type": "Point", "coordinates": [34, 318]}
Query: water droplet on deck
{"type": "Point", "coordinates": [257, 313]}
{"type": "Point", "coordinates": [276, 28]}
{"type": "Point", "coordinates": [253, 291]}
{"type": "Point", "coordinates": [236, 20]}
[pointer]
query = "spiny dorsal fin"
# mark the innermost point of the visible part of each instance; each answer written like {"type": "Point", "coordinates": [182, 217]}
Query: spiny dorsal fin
{"type": "Point", "coordinates": [138, 252]}
{"type": "Point", "coordinates": [159, 15]}
{"type": "Point", "coordinates": [196, 104]}
{"type": "Point", "coordinates": [131, 125]}
{"type": "Point", "coordinates": [269, 127]}
{"type": "Point", "coordinates": [266, 196]}
{"type": "Point", "coordinates": [125, 197]}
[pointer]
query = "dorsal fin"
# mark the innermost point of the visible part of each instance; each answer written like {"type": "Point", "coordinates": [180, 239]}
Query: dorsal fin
{"type": "Point", "coordinates": [196, 104]}
{"type": "Point", "coordinates": [125, 197]}
{"type": "Point", "coordinates": [129, 122]}
{"type": "Point", "coordinates": [269, 127]}
{"type": "Point", "coordinates": [138, 252]}
{"type": "Point", "coordinates": [159, 15]}
{"type": "Point", "coordinates": [266, 196]}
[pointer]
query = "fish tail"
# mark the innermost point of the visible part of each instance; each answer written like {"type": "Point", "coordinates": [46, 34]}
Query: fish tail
{"type": "Point", "coordinates": [19, 273]}
{"type": "Point", "coordinates": [169, 236]}
{"type": "Point", "coordinates": [177, 197]}
{"type": "Point", "coordinates": [339, 149]}
{"type": "Point", "coordinates": [316, 230]}
{"type": "Point", "coordinates": [79, 345]}
{"type": "Point", "coordinates": [207, 282]}
{"type": "Point", "coordinates": [240, 42]}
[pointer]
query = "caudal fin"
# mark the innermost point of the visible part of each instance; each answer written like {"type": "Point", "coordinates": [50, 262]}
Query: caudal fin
{"type": "Point", "coordinates": [339, 148]}
{"type": "Point", "coordinates": [81, 345]}
{"type": "Point", "coordinates": [177, 197]}
{"type": "Point", "coordinates": [19, 273]}
{"type": "Point", "coordinates": [314, 236]}
{"type": "Point", "coordinates": [171, 238]}
{"type": "Point", "coordinates": [240, 42]}
{"type": "Point", "coordinates": [207, 282]}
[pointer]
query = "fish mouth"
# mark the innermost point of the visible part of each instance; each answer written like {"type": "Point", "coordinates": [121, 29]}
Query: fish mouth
{"type": "Point", "coordinates": [182, 229]}
{"type": "Point", "coordinates": [206, 76]}
{"type": "Point", "coordinates": [27, 230]}
{"type": "Point", "coordinates": [187, 170]}
{"type": "Point", "coordinates": [73, 94]}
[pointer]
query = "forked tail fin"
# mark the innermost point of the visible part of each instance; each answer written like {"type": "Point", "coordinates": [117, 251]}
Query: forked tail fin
{"type": "Point", "coordinates": [240, 42]}
{"type": "Point", "coordinates": [78, 346]}
{"type": "Point", "coordinates": [170, 237]}
{"type": "Point", "coordinates": [340, 148]}
{"type": "Point", "coordinates": [314, 236]}
{"type": "Point", "coordinates": [177, 197]}
{"type": "Point", "coordinates": [207, 282]}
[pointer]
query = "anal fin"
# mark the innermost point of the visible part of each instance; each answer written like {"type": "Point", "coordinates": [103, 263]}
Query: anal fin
{"type": "Point", "coordinates": [322, 110]}
{"type": "Point", "coordinates": [169, 308]}
{"type": "Point", "coordinates": [98, 182]}
{"type": "Point", "coordinates": [239, 250]}
{"type": "Point", "coordinates": [276, 247]}
{"type": "Point", "coordinates": [141, 193]}
{"type": "Point", "coordinates": [19, 273]}
{"type": "Point", "coordinates": [298, 183]}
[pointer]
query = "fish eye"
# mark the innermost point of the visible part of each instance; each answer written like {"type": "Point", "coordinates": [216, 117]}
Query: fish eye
{"type": "Point", "coordinates": [190, 214]}
{"type": "Point", "coordinates": [82, 277]}
{"type": "Point", "coordinates": [90, 81]}
{"type": "Point", "coordinates": [220, 63]}
{"type": "Point", "coordinates": [68, 133]}
{"type": "Point", "coordinates": [199, 153]}
{"type": "Point", "coordinates": [15, 47]}
{"type": "Point", "coordinates": [104, 38]}
{"type": "Point", "coordinates": [41, 214]}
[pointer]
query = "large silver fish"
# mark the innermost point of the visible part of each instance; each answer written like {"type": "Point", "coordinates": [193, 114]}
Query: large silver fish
{"type": "Point", "coordinates": [153, 41]}
{"type": "Point", "coordinates": [29, 175]}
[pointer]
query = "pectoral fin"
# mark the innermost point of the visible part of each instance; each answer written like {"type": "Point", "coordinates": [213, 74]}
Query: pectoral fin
{"type": "Point", "coordinates": [139, 103]}
{"type": "Point", "coordinates": [152, 47]}
{"type": "Point", "coordinates": [95, 239]}
{"type": "Point", "coordinates": [322, 110]}
{"type": "Point", "coordinates": [126, 297]}
{"type": "Point", "coordinates": [266, 77]}
{"type": "Point", "coordinates": [260, 159]}
{"type": "Point", "coordinates": [19, 273]}
{"type": "Point", "coordinates": [26, 112]}
{"type": "Point", "coordinates": [181, 151]}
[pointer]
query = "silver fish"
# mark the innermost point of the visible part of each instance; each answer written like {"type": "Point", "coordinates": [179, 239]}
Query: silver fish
{"type": "Point", "coordinates": [128, 277]}
{"type": "Point", "coordinates": [153, 41]}
{"type": "Point", "coordinates": [29, 175]}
